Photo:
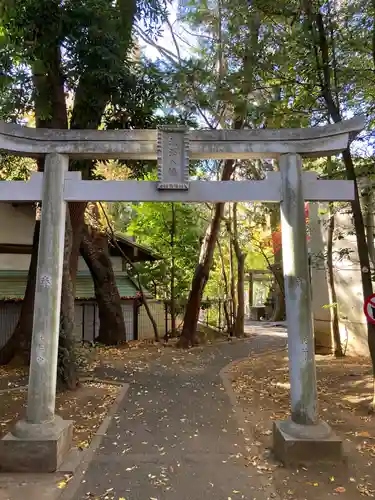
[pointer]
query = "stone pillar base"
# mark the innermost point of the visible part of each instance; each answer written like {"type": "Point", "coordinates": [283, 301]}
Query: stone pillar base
{"type": "Point", "coordinates": [36, 447]}
{"type": "Point", "coordinates": [298, 444]}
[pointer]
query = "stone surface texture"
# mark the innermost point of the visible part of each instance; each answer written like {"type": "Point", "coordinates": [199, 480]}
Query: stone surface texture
{"type": "Point", "coordinates": [46, 322]}
{"type": "Point", "coordinates": [297, 293]}
{"type": "Point", "coordinates": [42, 451]}
{"type": "Point", "coordinates": [309, 443]}
{"type": "Point", "coordinates": [204, 144]}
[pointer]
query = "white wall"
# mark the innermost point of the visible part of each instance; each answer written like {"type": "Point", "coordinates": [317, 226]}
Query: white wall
{"type": "Point", "coordinates": [17, 227]}
{"type": "Point", "coordinates": [10, 262]}
{"type": "Point", "coordinates": [348, 285]}
{"type": "Point", "coordinates": [16, 224]}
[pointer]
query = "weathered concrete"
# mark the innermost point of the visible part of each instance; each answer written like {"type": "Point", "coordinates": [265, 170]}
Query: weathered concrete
{"type": "Point", "coordinates": [40, 443]}
{"type": "Point", "coordinates": [36, 447]}
{"type": "Point", "coordinates": [295, 444]}
{"type": "Point", "coordinates": [267, 190]}
{"type": "Point", "coordinates": [204, 144]}
{"type": "Point", "coordinates": [303, 437]}
{"type": "Point", "coordinates": [173, 157]}
{"type": "Point", "coordinates": [46, 323]}
{"type": "Point", "coordinates": [297, 293]}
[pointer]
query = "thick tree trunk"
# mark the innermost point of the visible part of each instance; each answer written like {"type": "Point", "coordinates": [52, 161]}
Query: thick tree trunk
{"type": "Point", "coordinates": [336, 339]}
{"type": "Point", "coordinates": [91, 97]}
{"type": "Point", "coordinates": [77, 217]}
{"type": "Point", "coordinates": [67, 375]}
{"type": "Point", "coordinates": [94, 249]}
{"type": "Point", "coordinates": [189, 331]}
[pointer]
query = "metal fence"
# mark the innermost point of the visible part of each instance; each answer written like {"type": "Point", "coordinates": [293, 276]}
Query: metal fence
{"type": "Point", "coordinates": [213, 313]}
{"type": "Point", "coordinates": [9, 314]}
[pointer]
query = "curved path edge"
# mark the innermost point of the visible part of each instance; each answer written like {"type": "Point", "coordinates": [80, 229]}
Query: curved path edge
{"type": "Point", "coordinates": [69, 493]}
{"type": "Point", "coordinates": [227, 378]}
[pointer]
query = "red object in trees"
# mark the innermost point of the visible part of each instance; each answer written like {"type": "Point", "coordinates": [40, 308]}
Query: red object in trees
{"type": "Point", "coordinates": [276, 235]}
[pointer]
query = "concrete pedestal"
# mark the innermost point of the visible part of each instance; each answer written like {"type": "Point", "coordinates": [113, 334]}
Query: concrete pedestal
{"type": "Point", "coordinates": [36, 447]}
{"type": "Point", "coordinates": [295, 444]}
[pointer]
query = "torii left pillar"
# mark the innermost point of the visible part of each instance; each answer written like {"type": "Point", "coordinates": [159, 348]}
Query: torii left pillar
{"type": "Point", "coordinates": [40, 442]}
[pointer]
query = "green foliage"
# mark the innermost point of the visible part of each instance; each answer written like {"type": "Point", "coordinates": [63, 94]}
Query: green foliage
{"type": "Point", "coordinates": [13, 168]}
{"type": "Point", "coordinates": [152, 225]}
{"type": "Point", "coordinates": [84, 43]}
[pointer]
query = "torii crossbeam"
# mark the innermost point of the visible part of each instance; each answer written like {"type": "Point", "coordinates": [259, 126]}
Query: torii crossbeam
{"type": "Point", "coordinates": [43, 436]}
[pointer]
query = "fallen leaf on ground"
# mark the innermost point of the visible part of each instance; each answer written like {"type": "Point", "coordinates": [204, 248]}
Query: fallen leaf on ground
{"type": "Point", "coordinates": [340, 489]}
{"type": "Point", "coordinates": [363, 434]}
{"type": "Point", "coordinates": [64, 482]}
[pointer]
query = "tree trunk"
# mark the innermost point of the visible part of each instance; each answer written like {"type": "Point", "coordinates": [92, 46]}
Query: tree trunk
{"type": "Point", "coordinates": [279, 309]}
{"type": "Point", "coordinates": [94, 249]}
{"type": "Point", "coordinates": [225, 303]}
{"type": "Point", "coordinates": [67, 375]}
{"type": "Point", "coordinates": [77, 217]}
{"type": "Point", "coordinates": [239, 327]}
{"type": "Point", "coordinates": [189, 331]}
{"type": "Point", "coordinates": [368, 196]}
{"type": "Point", "coordinates": [336, 339]}
{"type": "Point", "coordinates": [232, 280]}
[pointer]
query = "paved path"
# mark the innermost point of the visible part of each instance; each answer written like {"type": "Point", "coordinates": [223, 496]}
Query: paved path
{"type": "Point", "coordinates": [175, 435]}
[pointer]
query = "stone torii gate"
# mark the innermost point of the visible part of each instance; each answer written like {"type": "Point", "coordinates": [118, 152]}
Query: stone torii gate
{"type": "Point", "coordinates": [40, 442]}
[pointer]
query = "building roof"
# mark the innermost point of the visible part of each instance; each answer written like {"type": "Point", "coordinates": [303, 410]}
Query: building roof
{"type": "Point", "coordinates": [13, 285]}
{"type": "Point", "coordinates": [134, 251]}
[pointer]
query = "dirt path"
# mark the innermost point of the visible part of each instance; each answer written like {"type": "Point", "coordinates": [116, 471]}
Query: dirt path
{"type": "Point", "coordinates": [261, 386]}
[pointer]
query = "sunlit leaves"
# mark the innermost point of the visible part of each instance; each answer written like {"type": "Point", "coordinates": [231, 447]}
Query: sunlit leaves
{"type": "Point", "coordinates": [152, 225]}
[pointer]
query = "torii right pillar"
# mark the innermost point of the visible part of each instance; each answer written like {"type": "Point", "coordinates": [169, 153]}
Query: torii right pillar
{"type": "Point", "coordinates": [303, 437]}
